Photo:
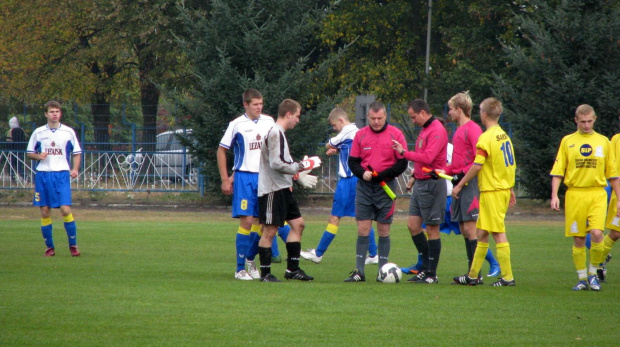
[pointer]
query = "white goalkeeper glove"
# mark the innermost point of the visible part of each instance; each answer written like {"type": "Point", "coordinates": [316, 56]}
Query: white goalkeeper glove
{"type": "Point", "coordinates": [306, 180]}
{"type": "Point", "coordinates": [311, 163]}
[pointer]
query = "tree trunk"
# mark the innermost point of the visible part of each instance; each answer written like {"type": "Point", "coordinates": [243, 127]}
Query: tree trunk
{"type": "Point", "coordinates": [100, 109]}
{"type": "Point", "coordinates": [149, 96]}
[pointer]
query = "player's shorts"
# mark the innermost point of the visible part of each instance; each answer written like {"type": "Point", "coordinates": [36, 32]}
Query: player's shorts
{"type": "Point", "coordinates": [467, 206]}
{"type": "Point", "coordinates": [245, 194]}
{"type": "Point", "coordinates": [344, 197]}
{"type": "Point", "coordinates": [493, 207]}
{"type": "Point", "coordinates": [449, 226]}
{"type": "Point", "coordinates": [278, 207]}
{"type": "Point", "coordinates": [612, 222]}
{"type": "Point", "coordinates": [585, 210]}
{"type": "Point", "coordinates": [52, 189]}
{"type": "Point", "coordinates": [428, 201]}
{"type": "Point", "coordinates": [373, 203]}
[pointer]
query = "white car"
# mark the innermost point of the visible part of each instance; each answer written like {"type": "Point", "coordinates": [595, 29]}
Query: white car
{"type": "Point", "coordinates": [173, 160]}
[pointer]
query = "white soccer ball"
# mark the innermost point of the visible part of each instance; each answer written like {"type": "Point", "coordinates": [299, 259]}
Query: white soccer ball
{"type": "Point", "coordinates": [390, 273]}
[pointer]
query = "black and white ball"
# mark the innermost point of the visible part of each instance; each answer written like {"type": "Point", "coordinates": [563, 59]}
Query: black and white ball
{"type": "Point", "coordinates": [390, 273]}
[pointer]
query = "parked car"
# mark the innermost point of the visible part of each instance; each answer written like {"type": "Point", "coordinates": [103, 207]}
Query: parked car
{"type": "Point", "coordinates": [172, 159]}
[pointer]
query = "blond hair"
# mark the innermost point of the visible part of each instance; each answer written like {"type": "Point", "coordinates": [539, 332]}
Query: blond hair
{"type": "Point", "coordinates": [492, 107]}
{"type": "Point", "coordinates": [462, 101]}
{"type": "Point", "coordinates": [583, 110]}
{"type": "Point", "coordinates": [336, 114]}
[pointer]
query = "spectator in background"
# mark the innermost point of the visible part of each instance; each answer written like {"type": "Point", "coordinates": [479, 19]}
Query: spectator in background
{"type": "Point", "coordinates": [16, 141]}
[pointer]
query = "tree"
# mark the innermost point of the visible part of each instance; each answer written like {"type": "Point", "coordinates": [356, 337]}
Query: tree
{"type": "Point", "coordinates": [571, 57]}
{"type": "Point", "coordinates": [268, 45]}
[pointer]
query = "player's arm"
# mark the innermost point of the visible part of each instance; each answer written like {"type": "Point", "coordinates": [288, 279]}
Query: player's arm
{"type": "Point", "coordinates": [473, 172]}
{"type": "Point", "coordinates": [355, 164]}
{"type": "Point", "coordinates": [37, 156]}
{"type": "Point", "coordinates": [555, 186]}
{"type": "Point", "coordinates": [276, 155]}
{"type": "Point", "coordinates": [221, 165]}
{"type": "Point", "coordinates": [77, 159]}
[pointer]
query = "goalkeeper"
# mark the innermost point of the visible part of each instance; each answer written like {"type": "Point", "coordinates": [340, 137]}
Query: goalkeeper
{"type": "Point", "coordinates": [344, 197]}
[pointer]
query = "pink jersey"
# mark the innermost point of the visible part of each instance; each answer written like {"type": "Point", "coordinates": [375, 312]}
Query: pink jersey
{"type": "Point", "coordinates": [464, 142]}
{"type": "Point", "coordinates": [375, 149]}
{"type": "Point", "coordinates": [430, 149]}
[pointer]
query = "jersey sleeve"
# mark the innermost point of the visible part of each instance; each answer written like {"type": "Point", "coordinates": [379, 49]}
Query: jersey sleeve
{"type": "Point", "coordinates": [559, 166]}
{"type": "Point", "coordinates": [277, 160]}
{"type": "Point", "coordinates": [32, 144]}
{"type": "Point", "coordinates": [229, 135]}
{"type": "Point", "coordinates": [77, 149]}
{"type": "Point", "coordinates": [482, 150]}
{"type": "Point", "coordinates": [611, 166]}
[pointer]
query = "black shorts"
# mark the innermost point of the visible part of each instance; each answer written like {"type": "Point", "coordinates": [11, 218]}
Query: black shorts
{"type": "Point", "coordinates": [277, 207]}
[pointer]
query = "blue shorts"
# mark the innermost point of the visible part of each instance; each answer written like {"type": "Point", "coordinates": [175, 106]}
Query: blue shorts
{"type": "Point", "coordinates": [245, 194]}
{"type": "Point", "coordinates": [448, 226]}
{"type": "Point", "coordinates": [52, 189]}
{"type": "Point", "coordinates": [344, 197]}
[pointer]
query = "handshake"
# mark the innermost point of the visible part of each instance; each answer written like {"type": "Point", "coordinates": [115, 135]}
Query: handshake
{"type": "Point", "coordinates": [303, 177]}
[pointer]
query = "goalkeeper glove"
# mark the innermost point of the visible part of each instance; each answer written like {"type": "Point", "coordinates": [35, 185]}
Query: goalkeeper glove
{"type": "Point", "coordinates": [305, 179]}
{"type": "Point", "coordinates": [311, 163]}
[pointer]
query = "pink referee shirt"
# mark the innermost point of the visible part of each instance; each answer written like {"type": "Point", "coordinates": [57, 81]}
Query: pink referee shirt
{"type": "Point", "coordinates": [464, 152]}
{"type": "Point", "coordinates": [375, 149]}
{"type": "Point", "coordinates": [430, 149]}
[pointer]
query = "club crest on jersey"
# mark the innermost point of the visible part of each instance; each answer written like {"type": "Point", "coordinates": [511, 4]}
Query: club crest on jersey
{"type": "Point", "coordinates": [258, 137]}
{"type": "Point", "coordinates": [585, 150]}
{"type": "Point", "coordinates": [53, 144]}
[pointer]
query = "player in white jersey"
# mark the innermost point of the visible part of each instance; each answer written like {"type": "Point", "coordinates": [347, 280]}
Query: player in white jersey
{"type": "Point", "coordinates": [245, 135]}
{"type": "Point", "coordinates": [58, 151]}
{"type": "Point", "coordinates": [344, 196]}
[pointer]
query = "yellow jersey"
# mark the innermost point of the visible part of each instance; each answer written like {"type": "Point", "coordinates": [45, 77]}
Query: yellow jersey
{"type": "Point", "coordinates": [494, 151]}
{"type": "Point", "coordinates": [585, 160]}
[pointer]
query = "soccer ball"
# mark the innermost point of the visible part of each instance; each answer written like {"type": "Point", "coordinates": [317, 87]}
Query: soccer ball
{"type": "Point", "coordinates": [390, 273]}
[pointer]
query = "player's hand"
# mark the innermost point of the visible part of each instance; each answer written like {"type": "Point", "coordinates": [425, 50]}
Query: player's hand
{"type": "Point", "coordinates": [456, 178]}
{"type": "Point", "coordinates": [227, 186]}
{"type": "Point", "coordinates": [455, 191]}
{"type": "Point", "coordinates": [513, 199]}
{"type": "Point", "coordinates": [73, 173]}
{"type": "Point", "coordinates": [433, 175]}
{"type": "Point", "coordinates": [397, 146]}
{"type": "Point", "coordinates": [306, 180]}
{"type": "Point", "coordinates": [42, 155]}
{"type": "Point", "coordinates": [331, 151]}
{"type": "Point", "coordinates": [311, 163]}
{"type": "Point", "coordinates": [410, 183]}
{"type": "Point", "coordinates": [555, 203]}
{"type": "Point", "coordinates": [367, 176]}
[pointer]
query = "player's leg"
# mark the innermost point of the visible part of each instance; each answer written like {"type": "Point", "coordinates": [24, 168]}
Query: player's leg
{"type": "Point", "coordinates": [580, 261]}
{"type": "Point", "coordinates": [242, 245]}
{"type": "Point", "coordinates": [361, 249]}
{"type": "Point", "coordinates": [71, 229]}
{"type": "Point", "coordinates": [264, 253]}
{"type": "Point", "coordinates": [46, 230]}
{"type": "Point", "coordinates": [596, 223]}
{"type": "Point", "coordinates": [373, 257]}
{"type": "Point", "coordinates": [478, 259]}
{"type": "Point", "coordinates": [432, 204]}
{"type": "Point", "coordinates": [503, 255]}
{"type": "Point", "coordinates": [328, 236]}
{"type": "Point", "coordinates": [293, 242]}
{"type": "Point", "coordinates": [42, 200]}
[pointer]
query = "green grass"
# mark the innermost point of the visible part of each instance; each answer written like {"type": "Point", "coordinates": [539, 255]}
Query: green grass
{"type": "Point", "coordinates": [166, 278]}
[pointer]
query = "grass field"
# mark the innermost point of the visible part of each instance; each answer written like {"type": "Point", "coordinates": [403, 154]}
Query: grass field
{"type": "Point", "coordinates": [165, 278]}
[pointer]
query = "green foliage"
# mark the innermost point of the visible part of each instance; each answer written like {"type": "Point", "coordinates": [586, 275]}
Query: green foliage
{"type": "Point", "coordinates": [267, 45]}
{"type": "Point", "coordinates": [571, 57]}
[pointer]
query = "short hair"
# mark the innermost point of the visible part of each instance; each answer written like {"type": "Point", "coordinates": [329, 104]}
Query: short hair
{"type": "Point", "coordinates": [336, 114]}
{"type": "Point", "coordinates": [288, 105]}
{"type": "Point", "coordinates": [250, 94]}
{"type": "Point", "coordinates": [584, 109]}
{"type": "Point", "coordinates": [462, 101]}
{"type": "Point", "coordinates": [492, 107]}
{"type": "Point", "coordinates": [52, 104]}
{"type": "Point", "coordinates": [376, 106]}
{"type": "Point", "coordinates": [418, 105]}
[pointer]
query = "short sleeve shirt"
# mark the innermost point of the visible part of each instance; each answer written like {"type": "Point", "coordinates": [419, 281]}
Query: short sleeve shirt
{"type": "Point", "coordinates": [59, 144]}
{"type": "Point", "coordinates": [246, 137]}
{"type": "Point", "coordinates": [495, 153]}
{"type": "Point", "coordinates": [585, 160]}
{"type": "Point", "coordinates": [343, 142]}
